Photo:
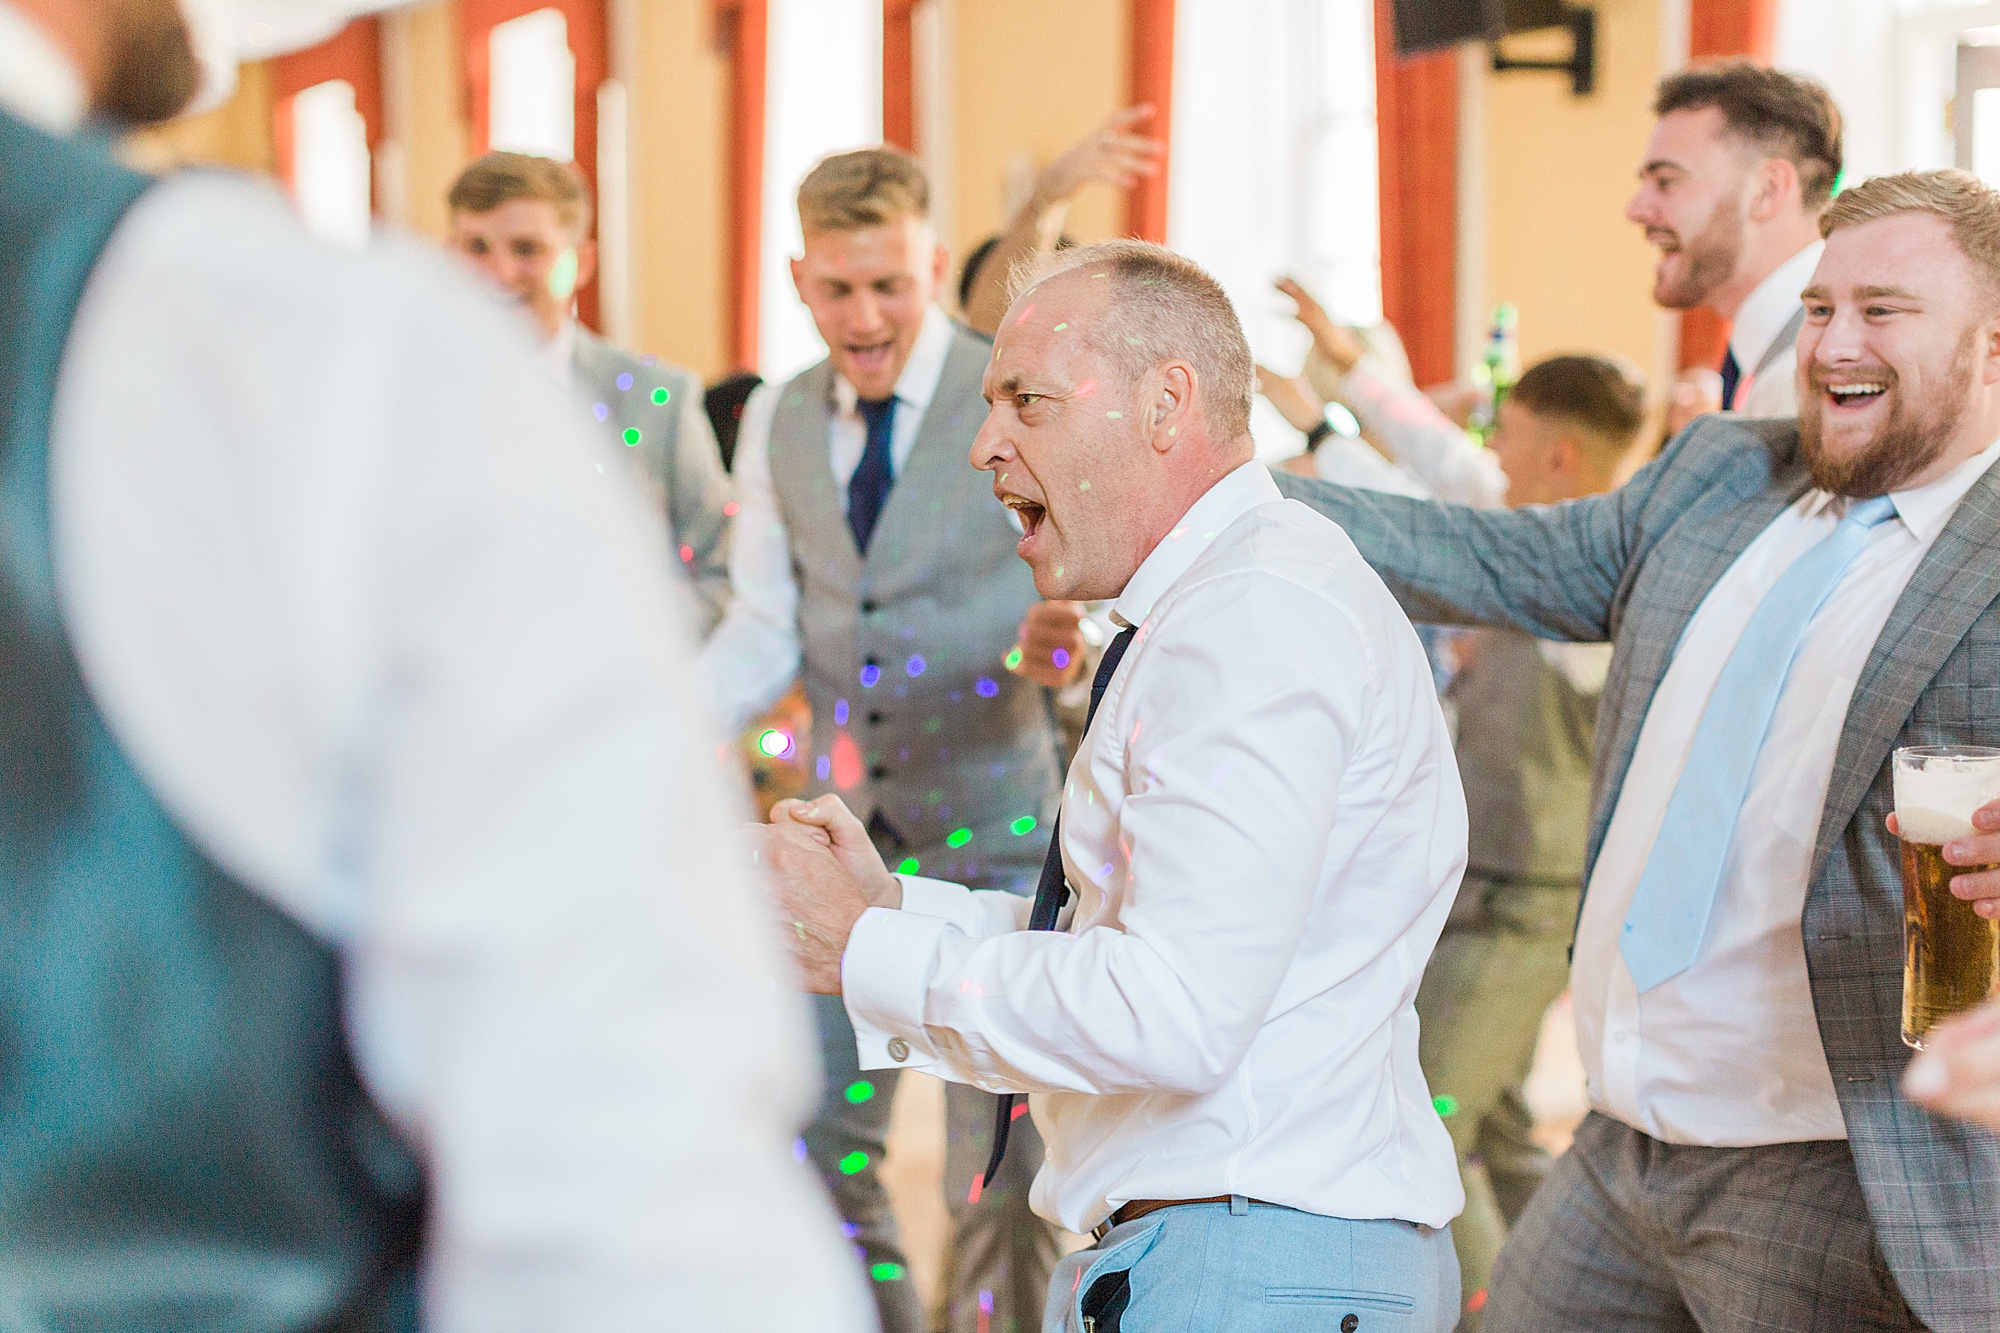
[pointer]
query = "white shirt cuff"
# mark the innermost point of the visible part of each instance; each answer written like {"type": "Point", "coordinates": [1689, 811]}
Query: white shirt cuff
{"type": "Point", "coordinates": [883, 979]}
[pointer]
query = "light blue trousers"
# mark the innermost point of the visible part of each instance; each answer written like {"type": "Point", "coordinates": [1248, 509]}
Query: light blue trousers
{"type": "Point", "coordinates": [1252, 1268]}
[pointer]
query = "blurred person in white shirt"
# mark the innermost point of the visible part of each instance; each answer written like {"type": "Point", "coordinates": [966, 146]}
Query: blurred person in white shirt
{"type": "Point", "coordinates": [371, 907]}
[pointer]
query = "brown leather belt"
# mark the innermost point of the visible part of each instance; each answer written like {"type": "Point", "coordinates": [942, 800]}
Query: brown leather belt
{"type": "Point", "coordinates": [1138, 1208]}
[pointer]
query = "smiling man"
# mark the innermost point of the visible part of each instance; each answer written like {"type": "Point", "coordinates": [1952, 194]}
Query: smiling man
{"type": "Point", "coordinates": [1740, 163]}
{"type": "Point", "coordinates": [1788, 602]}
{"type": "Point", "coordinates": [524, 222]}
{"type": "Point", "coordinates": [1211, 1002]}
{"type": "Point", "coordinates": [870, 559]}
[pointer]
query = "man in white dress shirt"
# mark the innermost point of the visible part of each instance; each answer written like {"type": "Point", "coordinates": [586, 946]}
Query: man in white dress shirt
{"type": "Point", "coordinates": [367, 888]}
{"type": "Point", "coordinates": [1259, 843]}
{"type": "Point", "coordinates": [1741, 162]}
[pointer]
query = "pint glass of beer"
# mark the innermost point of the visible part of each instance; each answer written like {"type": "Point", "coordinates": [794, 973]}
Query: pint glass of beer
{"type": "Point", "coordinates": [1951, 954]}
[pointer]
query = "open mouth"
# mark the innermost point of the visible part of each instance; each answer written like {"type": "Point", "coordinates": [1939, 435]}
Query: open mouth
{"type": "Point", "coordinates": [871, 358]}
{"type": "Point", "coordinates": [1857, 395]}
{"type": "Point", "coordinates": [1030, 514]}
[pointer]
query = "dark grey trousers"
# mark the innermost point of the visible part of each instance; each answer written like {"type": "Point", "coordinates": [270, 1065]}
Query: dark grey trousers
{"type": "Point", "coordinates": [1629, 1233]}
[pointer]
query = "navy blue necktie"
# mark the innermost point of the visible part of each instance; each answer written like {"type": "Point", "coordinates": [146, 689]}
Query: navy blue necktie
{"type": "Point", "coordinates": [868, 488]}
{"type": "Point", "coordinates": [1052, 889]}
{"type": "Point", "coordinates": [1732, 375]}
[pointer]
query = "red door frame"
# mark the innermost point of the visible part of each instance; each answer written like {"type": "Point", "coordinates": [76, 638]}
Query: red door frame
{"type": "Point", "coordinates": [1416, 126]}
{"type": "Point", "coordinates": [1723, 28]}
{"type": "Point", "coordinates": [354, 54]}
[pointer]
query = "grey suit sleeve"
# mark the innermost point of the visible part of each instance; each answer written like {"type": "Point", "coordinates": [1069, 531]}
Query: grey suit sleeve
{"type": "Point", "coordinates": [1550, 570]}
{"type": "Point", "coordinates": [698, 496]}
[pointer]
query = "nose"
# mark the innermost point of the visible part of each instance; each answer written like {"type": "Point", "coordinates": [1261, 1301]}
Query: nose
{"type": "Point", "coordinates": [1841, 341]}
{"type": "Point", "coordinates": [1639, 208]}
{"type": "Point", "coordinates": [990, 450]}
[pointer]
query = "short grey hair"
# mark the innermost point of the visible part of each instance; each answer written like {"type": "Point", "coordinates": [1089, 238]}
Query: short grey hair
{"type": "Point", "coordinates": [1164, 307]}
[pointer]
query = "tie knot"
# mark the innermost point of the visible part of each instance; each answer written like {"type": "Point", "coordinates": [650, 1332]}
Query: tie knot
{"type": "Point", "coordinates": [1867, 513]}
{"type": "Point", "coordinates": [874, 410]}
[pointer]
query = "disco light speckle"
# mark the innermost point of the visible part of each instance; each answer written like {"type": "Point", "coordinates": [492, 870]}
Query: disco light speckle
{"type": "Point", "coordinates": [854, 1163]}
{"type": "Point", "coordinates": [624, 379]}
{"type": "Point", "coordinates": [1013, 659]}
{"type": "Point", "coordinates": [958, 837]}
{"type": "Point", "coordinates": [987, 687]}
{"type": "Point", "coordinates": [870, 674]}
{"type": "Point", "coordinates": [1024, 825]}
{"type": "Point", "coordinates": [908, 866]}
{"type": "Point", "coordinates": [859, 1091]}
{"type": "Point", "coordinates": [632, 437]}
{"type": "Point", "coordinates": [661, 397]}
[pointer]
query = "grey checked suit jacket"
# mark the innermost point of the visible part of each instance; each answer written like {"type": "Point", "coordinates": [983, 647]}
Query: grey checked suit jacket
{"type": "Point", "coordinates": [654, 412]}
{"type": "Point", "coordinates": [1631, 567]}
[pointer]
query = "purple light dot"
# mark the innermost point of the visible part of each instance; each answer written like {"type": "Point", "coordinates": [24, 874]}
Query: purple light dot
{"type": "Point", "coordinates": [869, 675]}
{"type": "Point", "coordinates": [602, 411]}
{"type": "Point", "coordinates": [915, 666]}
{"type": "Point", "coordinates": [987, 687]}
{"type": "Point", "coordinates": [986, 1302]}
{"type": "Point", "coordinates": [840, 712]}
{"type": "Point", "coordinates": [798, 1150]}
{"type": "Point", "coordinates": [823, 767]}
{"type": "Point", "coordinates": [1061, 658]}
{"type": "Point", "coordinates": [850, 1229]}
{"type": "Point", "coordinates": [625, 379]}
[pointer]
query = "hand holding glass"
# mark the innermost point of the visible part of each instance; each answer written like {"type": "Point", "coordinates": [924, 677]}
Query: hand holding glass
{"type": "Point", "coordinates": [1951, 954]}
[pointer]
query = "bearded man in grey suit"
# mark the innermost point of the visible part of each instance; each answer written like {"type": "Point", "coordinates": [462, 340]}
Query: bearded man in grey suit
{"type": "Point", "coordinates": [525, 222]}
{"type": "Point", "coordinates": [1788, 603]}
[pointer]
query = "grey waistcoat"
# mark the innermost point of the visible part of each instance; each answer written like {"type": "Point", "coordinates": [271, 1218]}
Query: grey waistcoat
{"type": "Point", "coordinates": [1525, 734]}
{"type": "Point", "coordinates": [917, 724]}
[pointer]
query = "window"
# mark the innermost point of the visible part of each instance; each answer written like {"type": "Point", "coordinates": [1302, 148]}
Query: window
{"type": "Point", "coordinates": [1273, 167]}
{"type": "Point", "coordinates": [824, 95]}
{"type": "Point", "coordinates": [533, 90]}
{"type": "Point", "coordinates": [330, 162]}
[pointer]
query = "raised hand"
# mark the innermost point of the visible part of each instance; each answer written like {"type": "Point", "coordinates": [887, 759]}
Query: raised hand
{"type": "Point", "coordinates": [1051, 644]}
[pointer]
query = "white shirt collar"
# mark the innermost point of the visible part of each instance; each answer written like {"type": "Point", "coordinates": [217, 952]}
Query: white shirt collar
{"type": "Point", "coordinates": [1769, 307]}
{"type": "Point", "coordinates": [921, 372]}
{"type": "Point", "coordinates": [1926, 509]}
{"type": "Point", "coordinates": [559, 355]}
{"type": "Point", "coordinates": [1228, 500]}
{"type": "Point", "coordinates": [38, 82]}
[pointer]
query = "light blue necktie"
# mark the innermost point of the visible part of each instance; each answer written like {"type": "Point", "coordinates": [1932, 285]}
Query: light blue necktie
{"type": "Point", "coordinates": [1669, 912]}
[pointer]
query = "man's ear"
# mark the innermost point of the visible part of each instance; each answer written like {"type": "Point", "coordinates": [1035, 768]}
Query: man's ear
{"type": "Point", "coordinates": [586, 263]}
{"type": "Point", "coordinates": [940, 268]}
{"type": "Point", "coordinates": [1989, 348]}
{"type": "Point", "coordinates": [1774, 190]}
{"type": "Point", "coordinates": [1169, 404]}
{"type": "Point", "coordinates": [1564, 457]}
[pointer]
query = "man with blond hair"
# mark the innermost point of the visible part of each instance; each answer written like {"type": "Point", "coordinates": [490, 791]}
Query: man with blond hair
{"type": "Point", "coordinates": [1211, 1002]}
{"type": "Point", "coordinates": [524, 221]}
{"type": "Point", "coordinates": [1788, 603]}
{"type": "Point", "coordinates": [871, 559]}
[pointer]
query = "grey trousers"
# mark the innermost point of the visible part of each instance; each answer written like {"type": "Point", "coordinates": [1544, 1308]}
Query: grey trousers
{"type": "Point", "coordinates": [1629, 1233]}
{"type": "Point", "coordinates": [998, 1256]}
{"type": "Point", "coordinates": [1502, 960]}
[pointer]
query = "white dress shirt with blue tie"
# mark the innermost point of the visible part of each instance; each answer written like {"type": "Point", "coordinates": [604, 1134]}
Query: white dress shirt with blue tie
{"type": "Point", "coordinates": [1727, 1053]}
{"type": "Point", "coordinates": [1264, 830]}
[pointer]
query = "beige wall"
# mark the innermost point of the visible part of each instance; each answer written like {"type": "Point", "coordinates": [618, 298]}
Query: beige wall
{"type": "Point", "coordinates": [680, 185]}
{"type": "Point", "coordinates": [1018, 100]}
{"type": "Point", "coordinates": [235, 134]}
{"type": "Point", "coordinates": [1555, 172]}
{"type": "Point", "coordinates": [423, 98]}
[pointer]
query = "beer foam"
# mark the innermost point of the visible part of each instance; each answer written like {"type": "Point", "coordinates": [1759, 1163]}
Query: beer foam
{"type": "Point", "coordinates": [1931, 826]}
{"type": "Point", "coordinates": [1936, 794]}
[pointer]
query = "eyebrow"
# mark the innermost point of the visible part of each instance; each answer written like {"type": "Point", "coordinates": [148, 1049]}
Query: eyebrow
{"type": "Point", "coordinates": [1819, 293]}
{"type": "Point", "coordinates": [1660, 164]}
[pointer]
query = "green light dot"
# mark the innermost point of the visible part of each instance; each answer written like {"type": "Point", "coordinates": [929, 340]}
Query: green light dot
{"type": "Point", "coordinates": [1025, 824]}
{"type": "Point", "coordinates": [631, 436]}
{"type": "Point", "coordinates": [958, 837]}
{"type": "Point", "coordinates": [860, 1091]}
{"type": "Point", "coordinates": [886, 1272]}
{"type": "Point", "coordinates": [854, 1163]}
{"type": "Point", "coordinates": [660, 396]}
{"type": "Point", "coordinates": [908, 866]}
{"type": "Point", "coordinates": [1013, 659]}
{"type": "Point", "coordinates": [1446, 1106]}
